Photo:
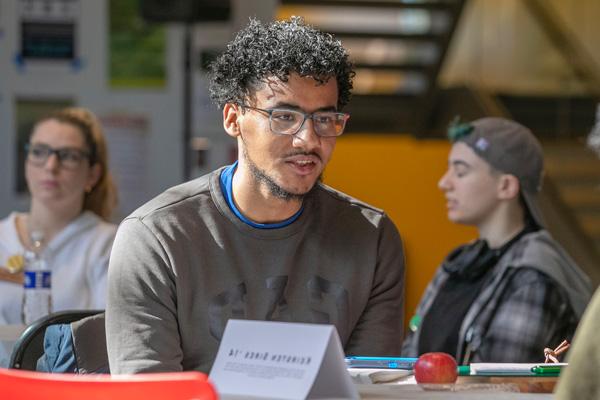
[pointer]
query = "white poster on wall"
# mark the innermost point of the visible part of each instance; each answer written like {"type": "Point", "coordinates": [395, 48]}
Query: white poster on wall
{"type": "Point", "coordinates": [127, 140]}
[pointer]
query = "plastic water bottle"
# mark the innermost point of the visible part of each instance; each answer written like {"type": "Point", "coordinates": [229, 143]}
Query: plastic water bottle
{"type": "Point", "coordinates": [37, 283]}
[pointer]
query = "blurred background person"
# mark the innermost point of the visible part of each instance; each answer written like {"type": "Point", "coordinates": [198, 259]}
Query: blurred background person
{"type": "Point", "coordinates": [580, 379]}
{"type": "Point", "coordinates": [514, 291]}
{"type": "Point", "coordinates": [72, 198]}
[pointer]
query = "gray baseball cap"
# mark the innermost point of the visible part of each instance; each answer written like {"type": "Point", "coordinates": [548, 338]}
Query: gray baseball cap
{"type": "Point", "coordinates": [509, 147]}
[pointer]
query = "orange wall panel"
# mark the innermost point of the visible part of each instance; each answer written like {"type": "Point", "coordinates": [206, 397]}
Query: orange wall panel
{"type": "Point", "coordinates": [399, 174]}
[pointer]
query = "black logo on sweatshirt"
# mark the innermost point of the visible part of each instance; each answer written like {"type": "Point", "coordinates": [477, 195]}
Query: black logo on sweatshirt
{"type": "Point", "coordinates": [325, 302]}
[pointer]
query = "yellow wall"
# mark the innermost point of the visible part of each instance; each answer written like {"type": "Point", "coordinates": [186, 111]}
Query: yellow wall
{"type": "Point", "coordinates": [399, 174]}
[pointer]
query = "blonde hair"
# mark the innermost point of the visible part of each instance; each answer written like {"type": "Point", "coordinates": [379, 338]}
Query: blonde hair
{"type": "Point", "coordinates": [102, 198]}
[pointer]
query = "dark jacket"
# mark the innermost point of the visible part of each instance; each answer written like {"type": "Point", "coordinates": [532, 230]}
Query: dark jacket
{"type": "Point", "coordinates": [79, 347]}
{"type": "Point", "coordinates": [534, 298]}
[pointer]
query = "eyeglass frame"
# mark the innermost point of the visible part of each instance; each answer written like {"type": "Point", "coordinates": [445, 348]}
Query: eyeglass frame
{"type": "Point", "coordinates": [306, 116]}
{"type": "Point", "coordinates": [85, 155]}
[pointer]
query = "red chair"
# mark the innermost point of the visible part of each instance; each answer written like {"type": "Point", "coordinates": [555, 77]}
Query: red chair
{"type": "Point", "coordinates": [26, 385]}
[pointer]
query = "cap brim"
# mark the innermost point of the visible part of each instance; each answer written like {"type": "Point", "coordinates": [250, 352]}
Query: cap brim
{"type": "Point", "coordinates": [534, 210]}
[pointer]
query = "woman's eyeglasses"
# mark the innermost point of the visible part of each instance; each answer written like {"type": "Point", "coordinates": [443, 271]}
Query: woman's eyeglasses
{"type": "Point", "coordinates": [69, 157]}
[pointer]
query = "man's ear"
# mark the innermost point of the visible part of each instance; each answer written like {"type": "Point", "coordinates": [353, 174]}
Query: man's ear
{"type": "Point", "coordinates": [231, 119]}
{"type": "Point", "coordinates": [509, 187]}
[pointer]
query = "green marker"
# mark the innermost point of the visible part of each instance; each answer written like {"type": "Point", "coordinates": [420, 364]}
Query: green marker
{"type": "Point", "coordinates": [414, 323]}
{"type": "Point", "coordinates": [464, 370]}
{"type": "Point", "coordinates": [547, 370]}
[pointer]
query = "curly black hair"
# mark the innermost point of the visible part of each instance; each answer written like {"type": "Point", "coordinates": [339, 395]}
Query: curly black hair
{"type": "Point", "coordinates": [277, 49]}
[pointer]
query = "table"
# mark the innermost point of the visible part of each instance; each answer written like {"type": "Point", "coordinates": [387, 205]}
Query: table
{"type": "Point", "coordinates": [466, 387]}
{"type": "Point", "coordinates": [475, 389]}
{"type": "Point", "coordinates": [414, 392]}
{"type": "Point", "coordinates": [525, 384]}
{"type": "Point", "coordinates": [410, 392]}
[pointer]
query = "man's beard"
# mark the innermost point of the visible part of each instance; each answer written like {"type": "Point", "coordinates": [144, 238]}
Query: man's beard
{"type": "Point", "coordinates": [261, 176]}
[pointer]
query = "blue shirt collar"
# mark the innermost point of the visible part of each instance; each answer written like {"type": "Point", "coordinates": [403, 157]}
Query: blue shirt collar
{"type": "Point", "coordinates": [226, 181]}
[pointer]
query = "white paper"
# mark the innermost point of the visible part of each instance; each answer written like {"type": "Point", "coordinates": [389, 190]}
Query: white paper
{"type": "Point", "coordinates": [503, 368]}
{"type": "Point", "coordinates": [378, 375]}
{"type": "Point", "coordinates": [281, 360]}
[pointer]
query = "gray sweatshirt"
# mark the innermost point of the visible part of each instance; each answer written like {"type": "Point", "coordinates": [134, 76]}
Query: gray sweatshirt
{"type": "Point", "coordinates": [183, 264]}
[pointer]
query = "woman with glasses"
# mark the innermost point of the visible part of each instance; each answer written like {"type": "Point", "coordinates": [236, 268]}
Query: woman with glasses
{"type": "Point", "coordinates": [72, 198]}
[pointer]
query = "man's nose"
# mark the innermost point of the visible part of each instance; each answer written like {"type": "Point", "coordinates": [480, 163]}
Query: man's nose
{"type": "Point", "coordinates": [307, 136]}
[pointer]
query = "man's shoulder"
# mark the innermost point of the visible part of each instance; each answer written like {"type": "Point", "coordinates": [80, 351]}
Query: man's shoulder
{"type": "Point", "coordinates": [538, 247]}
{"type": "Point", "coordinates": [528, 277]}
{"type": "Point", "coordinates": [540, 252]}
{"type": "Point", "coordinates": [342, 200]}
{"type": "Point", "coordinates": [176, 198]}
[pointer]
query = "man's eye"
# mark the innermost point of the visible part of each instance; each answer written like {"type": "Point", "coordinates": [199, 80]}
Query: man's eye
{"type": "Point", "coordinates": [284, 116]}
{"type": "Point", "coordinates": [324, 118]}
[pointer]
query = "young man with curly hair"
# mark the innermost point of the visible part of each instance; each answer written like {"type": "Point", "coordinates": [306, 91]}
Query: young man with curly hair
{"type": "Point", "coordinates": [263, 238]}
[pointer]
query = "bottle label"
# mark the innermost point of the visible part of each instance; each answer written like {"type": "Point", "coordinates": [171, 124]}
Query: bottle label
{"type": "Point", "coordinates": [29, 279]}
{"type": "Point", "coordinates": [39, 279]}
{"type": "Point", "coordinates": [46, 281]}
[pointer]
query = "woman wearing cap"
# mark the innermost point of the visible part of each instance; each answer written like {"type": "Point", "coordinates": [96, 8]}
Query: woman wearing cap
{"type": "Point", "coordinates": [514, 291]}
{"type": "Point", "coordinates": [72, 197]}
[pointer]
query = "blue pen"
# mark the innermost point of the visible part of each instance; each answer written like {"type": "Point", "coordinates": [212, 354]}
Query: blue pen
{"type": "Point", "coordinates": [381, 362]}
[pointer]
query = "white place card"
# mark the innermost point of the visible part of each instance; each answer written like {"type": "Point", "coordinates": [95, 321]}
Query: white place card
{"type": "Point", "coordinates": [281, 360]}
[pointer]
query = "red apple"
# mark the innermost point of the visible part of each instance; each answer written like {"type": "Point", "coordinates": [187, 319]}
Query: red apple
{"type": "Point", "coordinates": [436, 368]}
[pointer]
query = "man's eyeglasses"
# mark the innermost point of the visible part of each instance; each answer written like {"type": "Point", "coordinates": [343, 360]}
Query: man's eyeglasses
{"type": "Point", "coordinates": [69, 157]}
{"type": "Point", "coordinates": [289, 122]}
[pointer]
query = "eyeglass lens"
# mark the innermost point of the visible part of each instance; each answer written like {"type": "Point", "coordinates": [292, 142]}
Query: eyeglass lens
{"type": "Point", "coordinates": [38, 154]}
